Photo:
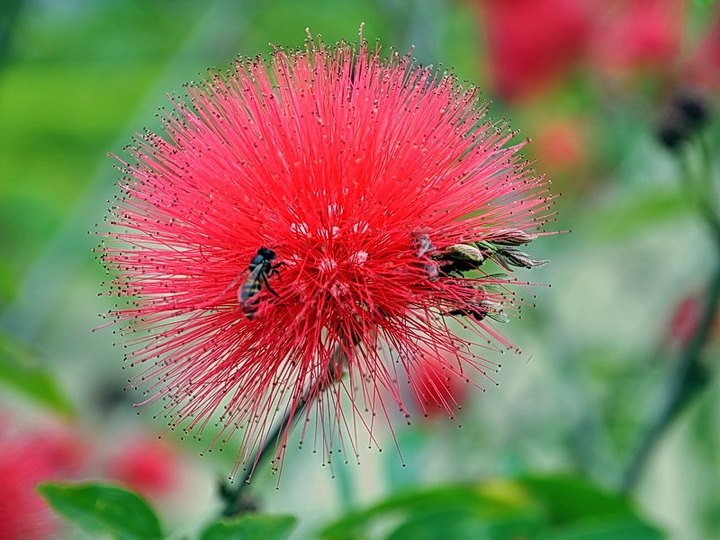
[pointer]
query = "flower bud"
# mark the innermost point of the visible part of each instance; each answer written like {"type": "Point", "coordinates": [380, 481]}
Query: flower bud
{"type": "Point", "coordinates": [510, 237]}
{"type": "Point", "coordinates": [514, 257]}
{"type": "Point", "coordinates": [464, 252]}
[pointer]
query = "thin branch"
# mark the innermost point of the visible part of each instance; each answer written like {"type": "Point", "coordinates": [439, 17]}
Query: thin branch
{"type": "Point", "coordinates": [689, 376]}
{"type": "Point", "coordinates": [233, 496]}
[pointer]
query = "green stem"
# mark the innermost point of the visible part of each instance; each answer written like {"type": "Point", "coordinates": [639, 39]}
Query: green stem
{"type": "Point", "coordinates": [232, 496]}
{"type": "Point", "coordinates": [709, 193]}
{"type": "Point", "coordinates": [689, 375]}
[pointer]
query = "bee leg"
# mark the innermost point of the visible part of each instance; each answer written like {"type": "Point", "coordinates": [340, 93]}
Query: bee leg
{"type": "Point", "coordinates": [264, 279]}
{"type": "Point", "coordinates": [273, 270]}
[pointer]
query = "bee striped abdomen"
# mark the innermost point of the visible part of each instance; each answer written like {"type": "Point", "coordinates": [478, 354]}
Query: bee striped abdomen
{"type": "Point", "coordinates": [260, 268]}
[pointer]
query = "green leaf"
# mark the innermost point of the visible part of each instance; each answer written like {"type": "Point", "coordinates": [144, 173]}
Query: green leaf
{"type": "Point", "coordinates": [104, 509]}
{"type": "Point", "coordinates": [251, 526]}
{"type": "Point", "coordinates": [450, 525]}
{"type": "Point", "coordinates": [549, 507]}
{"type": "Point", "coordinates": [496, 509]}
{"type": "Point", "coordinates": [20, 370]}
{"type": "Point", "coordinates": [607, 529]}
{"type": "Point", "coordinates": [579, 509]}
{"type": "Point", "coordinates": [568, 498]}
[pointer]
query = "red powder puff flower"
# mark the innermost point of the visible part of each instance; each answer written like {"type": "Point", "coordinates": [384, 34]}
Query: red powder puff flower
{"type": "Point", "coordinates": [303, 229]}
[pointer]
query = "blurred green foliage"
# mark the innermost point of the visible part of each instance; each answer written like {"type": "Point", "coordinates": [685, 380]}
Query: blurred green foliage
{"type": "Point", "coordinates": [251, 526]}
{"type": "Point", "coordinates": [123, 515]}
{"type": "Point", "coordinates": [526, 507]}
{"type": "Point", "coordinates": [21, 370]}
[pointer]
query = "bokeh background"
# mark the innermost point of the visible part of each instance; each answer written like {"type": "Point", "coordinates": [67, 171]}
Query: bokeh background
{"type": "Point", "coordinates": [590, 82]}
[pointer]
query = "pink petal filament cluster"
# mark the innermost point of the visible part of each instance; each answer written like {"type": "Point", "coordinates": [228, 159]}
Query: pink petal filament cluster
{"type": "Point", "coordinates": [359, 173]}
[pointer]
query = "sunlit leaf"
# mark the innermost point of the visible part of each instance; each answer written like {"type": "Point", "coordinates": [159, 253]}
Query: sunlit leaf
{"type": "Point", "coordinates": [450, 511]}
{"type": "Point", "coordinates": [556, 507]}
{"type": "Point", "coordinates": [251, 527]}
{"type": "Point", "coordinates": [566, 498]}
{"type": "Point", "coordinates": [104, 509]}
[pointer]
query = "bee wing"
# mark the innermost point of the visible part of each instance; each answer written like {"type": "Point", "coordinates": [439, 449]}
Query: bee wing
{"type": "Point", "coordinates": [249, 284]}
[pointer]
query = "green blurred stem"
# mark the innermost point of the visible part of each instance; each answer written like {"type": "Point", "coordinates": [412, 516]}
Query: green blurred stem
{"type": "Point", "coordinates": [689, 376]}
{"type": "Point", "coordinates": [708, 191]}
{"type": "Point", "coordinates": [699, 183]}
{"type": "Point", "coordinates": [233, 495]}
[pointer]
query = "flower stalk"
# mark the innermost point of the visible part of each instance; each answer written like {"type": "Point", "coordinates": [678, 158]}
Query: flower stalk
{"type": "Point", "coordinates": [690, 374]}
{"type": "Point", "coordinates": [232, 496]}
{"type": "Point", "coordinates": [685, 382]}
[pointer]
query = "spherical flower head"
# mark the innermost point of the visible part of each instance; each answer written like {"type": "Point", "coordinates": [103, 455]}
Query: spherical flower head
{"type": "Point", "coordinates": [303, 230]}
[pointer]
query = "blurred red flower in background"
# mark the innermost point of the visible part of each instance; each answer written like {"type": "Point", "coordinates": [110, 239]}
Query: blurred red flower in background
{"type": "Point", "coordinates": [703, 67]}
{"type": "Point", "coordinates": [686, 319]}
{"type": "Point", "coordinates": [562, 143]}
{"type": "Point", "coordinates": [311, 218]}
{"type": "Point", "coordinates": [26, 459]}
{"type": "Point", "coordinates": [436, 389]}
{"type": "Point", "coordinates": [148, 466]}
{"type": "Point", "coordinates": [532, 44]}
{"type": "Point", "coordinates": [637, 35]}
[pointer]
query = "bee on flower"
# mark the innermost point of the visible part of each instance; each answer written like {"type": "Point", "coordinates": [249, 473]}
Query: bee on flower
{"type": "Point", "coordinates": [303, 230]}
{"type": "Point", "coordinates": [260, 269]}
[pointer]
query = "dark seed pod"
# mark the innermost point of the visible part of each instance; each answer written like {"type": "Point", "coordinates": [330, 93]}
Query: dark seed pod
{"type": "Point", "coordinates": [686, 112]}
